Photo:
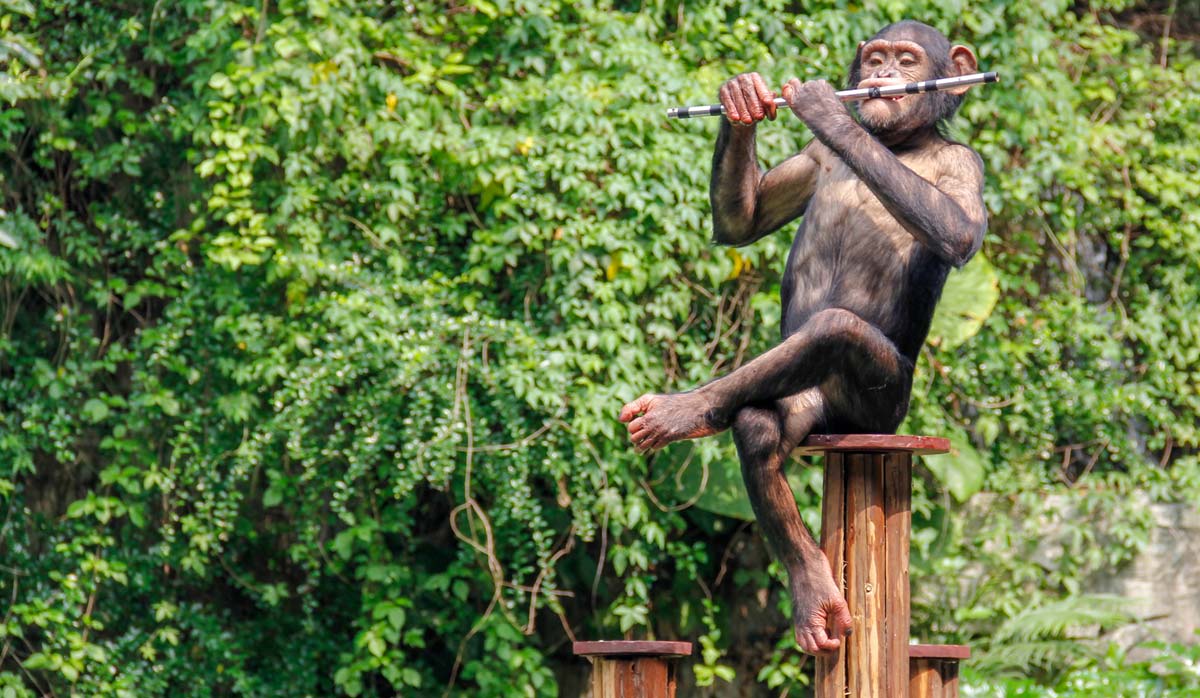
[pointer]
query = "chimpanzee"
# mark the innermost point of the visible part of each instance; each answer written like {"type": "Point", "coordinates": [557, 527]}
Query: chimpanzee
{"type": "Point", "coordinates": [889, 205]}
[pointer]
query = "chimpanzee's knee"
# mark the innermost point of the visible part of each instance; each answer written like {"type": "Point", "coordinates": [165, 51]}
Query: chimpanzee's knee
{"type": "Point", "coordinates": [834, 328]}
{"type": "Point", "coordinates": [757, 434]}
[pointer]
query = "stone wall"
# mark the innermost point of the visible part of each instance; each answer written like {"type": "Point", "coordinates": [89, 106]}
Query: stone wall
{"type": "Point", "coordinates": [1163, 582]}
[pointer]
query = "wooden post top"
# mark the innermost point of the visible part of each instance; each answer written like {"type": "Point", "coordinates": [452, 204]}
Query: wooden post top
{"type": "Point", "coordinates": [632, 648]}
{"type": "Point", "coordinates": [874, 443]}
{"type": "Point", "coordinates": [939, 652]}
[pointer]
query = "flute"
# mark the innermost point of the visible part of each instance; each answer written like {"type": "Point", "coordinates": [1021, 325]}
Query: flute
{"type": "Point", "coordinates": [912, 88]}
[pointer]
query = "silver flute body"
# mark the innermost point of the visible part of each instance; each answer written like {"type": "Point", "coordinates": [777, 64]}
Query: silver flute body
{"type": "Point", "coordinates": [912, 88]}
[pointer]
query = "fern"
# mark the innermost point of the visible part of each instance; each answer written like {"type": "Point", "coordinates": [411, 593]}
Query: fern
{"type": "Point", "coordinates": [1047, 639]}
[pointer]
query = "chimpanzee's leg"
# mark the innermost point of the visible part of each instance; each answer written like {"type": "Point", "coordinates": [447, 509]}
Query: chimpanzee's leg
{"type": "Point", "coordinates": [765, 437]}
{"type": "Point", "coordinates": [834, 343]}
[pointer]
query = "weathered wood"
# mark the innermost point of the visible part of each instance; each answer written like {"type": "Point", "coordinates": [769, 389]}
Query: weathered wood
{"type": "Point", "coordinates": [939, 651]}
{"type": "Point", "coordinates": [865, 574]}
{"type": "Point", "coordinates": [831, 669]}
{"type": "Point", "coordinates": [631, 648]}
{"type": "Point", "coordinates": [632, 669]}
{"type": "Point", "coordinates": [933, 670]}
{"type": "Point", "coordinates": [874, 443]}
{"type": "Point", "coordinates": [626, 677]}
{"type": "Point", "coordinates": [924, 679]}
{"type": "Point", "coordinates": [949, 678]}
{"type": "Point", "coordinates": [866, 525]}
{"type": "Point", "coordinates": [897, 503]}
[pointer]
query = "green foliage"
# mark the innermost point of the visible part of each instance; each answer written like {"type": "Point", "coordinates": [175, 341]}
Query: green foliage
{"type": "Point", "coordinates": [1039, 639]}
{"type": "Point", "coordinates": [315, 317]}
{"type": "Point", "coordinates": [1166, 669]}
{"type": "Point", "coordinates": [968, 300]}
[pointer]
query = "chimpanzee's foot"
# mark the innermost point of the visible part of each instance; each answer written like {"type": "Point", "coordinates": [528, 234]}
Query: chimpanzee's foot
{"type": "Point", "coordinates": [657, 420]}
{"type": "Point", "coordinates": [820, 616]}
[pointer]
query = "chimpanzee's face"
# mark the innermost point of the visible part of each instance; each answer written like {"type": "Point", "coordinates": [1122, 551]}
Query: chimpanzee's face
{"type": "Point", "coordinates": [886, 62]}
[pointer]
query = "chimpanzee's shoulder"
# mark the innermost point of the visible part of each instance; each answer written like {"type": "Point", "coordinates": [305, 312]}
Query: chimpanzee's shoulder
{"type": "Point", "coordinates": [959, 159]}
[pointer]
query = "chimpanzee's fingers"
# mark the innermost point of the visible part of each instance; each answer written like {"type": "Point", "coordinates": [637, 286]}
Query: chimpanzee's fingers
{"type": "Point", "coordinates": [840, 621]}
{"type": "Point", "coordinates": [731, 111]}
{"type": "Point", "coordinates": [824, 642]}
{"type": "Point", "coordinates": [765, 96]}
{"type": "Point", "coordinates": [739, 101]}
{"type": "Point", "coordinates": [791, 89]}
{"type": "Point", "coordinates": [750, 94]}
{"type": "Point", "coordinates": [636, 425]}
{"type": "Point", "coordinates": [806, 642]}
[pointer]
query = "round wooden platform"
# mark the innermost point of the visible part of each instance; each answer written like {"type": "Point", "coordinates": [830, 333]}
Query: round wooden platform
{"type": "Point", "coordinates": [632, 648]}
{"type": "Point", "coordinates": [939, 652]}
{"type": "Point", "coordinates": [874, 443]}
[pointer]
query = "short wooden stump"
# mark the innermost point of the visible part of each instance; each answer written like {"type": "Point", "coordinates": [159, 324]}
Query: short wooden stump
{"type": "Point", "coordinates": [866, 520]}
{"type": "Point", "coordinates": [632, 668]}
{"type": "Point", "coordinates": [933, 670]}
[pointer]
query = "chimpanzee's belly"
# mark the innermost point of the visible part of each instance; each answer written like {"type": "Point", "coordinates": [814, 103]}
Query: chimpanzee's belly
{"type": "Point", "coordinates": [856, 269]}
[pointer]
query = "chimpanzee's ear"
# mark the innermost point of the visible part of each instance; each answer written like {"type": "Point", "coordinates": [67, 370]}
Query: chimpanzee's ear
{"type": "Point", "coordinates": [963, 60]}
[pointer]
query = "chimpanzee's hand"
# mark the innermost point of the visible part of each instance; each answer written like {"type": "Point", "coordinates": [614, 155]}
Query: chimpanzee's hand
{"type": "Point", "coordinates": [814, 101]}
{"type": "Point", "coordinates": [747, 100]}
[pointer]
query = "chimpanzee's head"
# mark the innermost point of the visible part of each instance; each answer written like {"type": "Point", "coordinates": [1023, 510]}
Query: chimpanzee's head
{"type": "Point", "coordinates": [905, 52]}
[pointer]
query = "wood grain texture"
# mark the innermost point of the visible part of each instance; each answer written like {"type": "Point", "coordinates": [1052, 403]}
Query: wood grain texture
{"type": "Point", "coordinates": [830, 681]}
{"type": "Point", "coordinates": [632, 677]}
{"type": "Point", "coordinates": [864, 574]}
{"type": "Point", "coordinates": [923, 679]}
{"type": "Point", "coordinates": [931, 677]}
{"type": "Point", "coordinates": [866, 524]}
{"type": "Point", "coordinates": [949, 678]}
{"type": "Point", "coordinates": [939, 651]}
{"type": "Point", "coordinates": [897, 509]}
{"type": "Point", "coordinates": [874, 443]}
{"type": "Point", "coordinates": [631, 648]}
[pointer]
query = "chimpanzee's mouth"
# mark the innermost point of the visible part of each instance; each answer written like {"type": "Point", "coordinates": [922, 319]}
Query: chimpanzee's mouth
{"type": "Point", "coordinates": [878, 82]}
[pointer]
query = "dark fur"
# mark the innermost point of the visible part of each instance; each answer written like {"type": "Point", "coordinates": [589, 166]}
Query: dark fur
{"type": "Point", "coordinates": [937, 106]}
{"type": "Point", "coordinates": [864, 274]}
{"type": "Point", "coordinates": [855, 314]}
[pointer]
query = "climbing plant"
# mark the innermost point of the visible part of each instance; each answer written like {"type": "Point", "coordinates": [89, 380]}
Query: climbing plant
{"type": "Point", "coordinates": [315, 317]}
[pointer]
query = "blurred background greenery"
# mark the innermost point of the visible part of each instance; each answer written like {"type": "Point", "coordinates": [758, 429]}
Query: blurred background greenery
{"type": "Point", "coordinates": [315, 317]}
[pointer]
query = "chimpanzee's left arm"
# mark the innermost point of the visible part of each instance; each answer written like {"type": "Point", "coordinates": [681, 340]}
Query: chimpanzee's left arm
{"type": "Point", "coordinates": [948, 215]}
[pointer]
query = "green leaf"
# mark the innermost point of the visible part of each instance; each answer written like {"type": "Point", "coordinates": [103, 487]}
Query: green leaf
{"type": "Point", "coordinates": [95, 410]}
{"type": "Point", "coordinates": [274, 495]}
{"type": "Point", "coordinates": [961, 471]}
{"type": "Point", "coordinates": [411, 677]}
{"type": "Point", "coordinates": [969, 297]}
{"type": "Point", "coordinates": [375, 644]}
{"type": "Point", "coordinates": [396, 617]}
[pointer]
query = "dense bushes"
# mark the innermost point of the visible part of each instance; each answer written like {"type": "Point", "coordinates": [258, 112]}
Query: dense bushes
{"type": "Point", "coordinates": [317, 316]}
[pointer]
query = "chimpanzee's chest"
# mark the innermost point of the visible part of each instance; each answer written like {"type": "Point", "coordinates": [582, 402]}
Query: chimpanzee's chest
{"type": "Point", "coordinates": [852, 252]}
{"type": "Point", "coordinates": [846, 219]}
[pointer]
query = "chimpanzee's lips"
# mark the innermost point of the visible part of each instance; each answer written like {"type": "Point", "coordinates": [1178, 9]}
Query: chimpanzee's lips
{"type": "Point", "coordinates": [877, 82]}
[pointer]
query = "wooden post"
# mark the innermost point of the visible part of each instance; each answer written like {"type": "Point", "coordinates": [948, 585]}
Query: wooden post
{"type": "Point", "coordinates": [933, 670]}
{"type": "Point", "coordinates": [865, 523]}
{"type": "Point", "coordinates": [632, 668]}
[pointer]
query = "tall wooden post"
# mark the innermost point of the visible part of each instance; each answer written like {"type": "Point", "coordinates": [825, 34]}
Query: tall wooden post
{"type": "Point", "coordinates": [632, 668]}
{"type": "Point", "coordinates": [865, 523]}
